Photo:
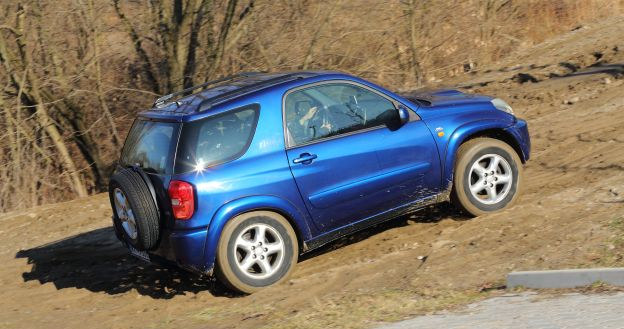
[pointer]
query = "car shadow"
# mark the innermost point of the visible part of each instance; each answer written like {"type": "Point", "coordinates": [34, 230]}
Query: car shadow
{"type": "Point", "coordinates": [98, 262]}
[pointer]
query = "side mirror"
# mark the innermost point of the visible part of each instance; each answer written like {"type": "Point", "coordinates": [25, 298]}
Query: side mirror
{"type": "Point", "coordinates": [403, 115]}
{"type": "Point", "coordinates": [393, 118]}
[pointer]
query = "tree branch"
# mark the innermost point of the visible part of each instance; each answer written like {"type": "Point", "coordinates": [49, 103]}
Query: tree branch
{"type": "Point", "coordinates": [138, 47]}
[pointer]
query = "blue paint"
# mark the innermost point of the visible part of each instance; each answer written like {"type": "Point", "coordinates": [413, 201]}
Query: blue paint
{"type": "Point", "coordinates": [368, 175]}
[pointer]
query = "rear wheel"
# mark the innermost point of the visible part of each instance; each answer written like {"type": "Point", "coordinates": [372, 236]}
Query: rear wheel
{"type": "Point", "coordinates": [256, 249]}
{"type": "Point", "coordinates": [487, 178]}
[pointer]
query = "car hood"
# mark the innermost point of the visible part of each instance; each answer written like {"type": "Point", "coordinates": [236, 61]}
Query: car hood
{"type": "Point", "coordinates": [444, 98]}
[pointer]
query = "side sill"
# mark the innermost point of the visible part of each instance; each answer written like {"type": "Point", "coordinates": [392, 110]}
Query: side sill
{"type": "Point", "coordinates": [374, 220]}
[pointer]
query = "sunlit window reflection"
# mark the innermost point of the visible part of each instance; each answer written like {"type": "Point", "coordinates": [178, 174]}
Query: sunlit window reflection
{"type": "Point", "coordinates": [200, 166]}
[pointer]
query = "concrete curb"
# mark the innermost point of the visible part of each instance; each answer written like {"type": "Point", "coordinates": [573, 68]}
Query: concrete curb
{"type": "Point", "coordinates": [565, 278]}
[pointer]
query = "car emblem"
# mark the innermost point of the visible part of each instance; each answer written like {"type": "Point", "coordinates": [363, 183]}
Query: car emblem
{"type": "Point", "coordinates": [440, 131]}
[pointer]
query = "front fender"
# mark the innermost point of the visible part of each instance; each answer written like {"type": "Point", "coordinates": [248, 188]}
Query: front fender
{"type": "Point", "coordinates": [247, 204]}
{"type": "Point", "coordinates": [459, 136]}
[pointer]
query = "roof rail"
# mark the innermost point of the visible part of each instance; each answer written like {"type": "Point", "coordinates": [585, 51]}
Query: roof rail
{"type": "Point", "coordinates": [161, 101]}
{"type": "Point", "coordinates": [206, 104]}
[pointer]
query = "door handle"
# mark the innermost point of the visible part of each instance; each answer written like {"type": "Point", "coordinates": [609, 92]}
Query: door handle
{"type": "Point", "coordinates": [305, 158]}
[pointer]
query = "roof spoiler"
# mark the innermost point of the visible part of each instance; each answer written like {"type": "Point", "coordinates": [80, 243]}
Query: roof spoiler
{"type": "Point", "coordinates": [162, 101]}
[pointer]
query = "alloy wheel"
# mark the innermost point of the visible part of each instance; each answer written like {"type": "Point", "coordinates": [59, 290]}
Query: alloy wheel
{"type": "Point", "coordinates": [125, 214]}
{"type": "Point", "coordinates": [490, 178]}
{"type": "Point", "coordinates": [259, 251]}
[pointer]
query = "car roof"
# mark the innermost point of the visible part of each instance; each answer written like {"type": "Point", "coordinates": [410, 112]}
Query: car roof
{"type": "Point", "coordinates": [224, 90]}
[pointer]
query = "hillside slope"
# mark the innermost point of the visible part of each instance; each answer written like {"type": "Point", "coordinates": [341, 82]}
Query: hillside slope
{"type": "Point", "coordinates": [62, 266]}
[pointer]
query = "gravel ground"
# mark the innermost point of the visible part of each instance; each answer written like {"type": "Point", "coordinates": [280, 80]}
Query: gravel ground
{"type": "Point", "coordinates": [529, 311]}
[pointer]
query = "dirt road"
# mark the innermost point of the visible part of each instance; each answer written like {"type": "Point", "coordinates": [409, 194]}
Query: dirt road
{"type": "Point", "coordinates": [62, 267]}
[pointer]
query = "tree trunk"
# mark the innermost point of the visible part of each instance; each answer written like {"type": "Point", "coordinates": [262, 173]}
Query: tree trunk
{"type": "Point", "coordinates": [180, 25]}
{"type": "Point", "coordinates": [414, 37]}
{"type": "Point", "coordinates": [98, 75]}
{"type": "Point", "coordinates": [141, 52]}
{"type": "Point", "coordinates": [32, 94]}
{"type": "Point", "coordinates": [57, 139]}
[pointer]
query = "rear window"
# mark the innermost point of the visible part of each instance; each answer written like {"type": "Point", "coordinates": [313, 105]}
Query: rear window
{"type": "Point", "coordinates": [216, 139]}
{"type": "Point", "coordinates": [149, 145]}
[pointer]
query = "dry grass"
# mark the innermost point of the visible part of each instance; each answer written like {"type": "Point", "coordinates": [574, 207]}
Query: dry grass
{"type": "Point", "coordinates": [613, 255]}
{"type": "Point", "coordinates": [354, 311]}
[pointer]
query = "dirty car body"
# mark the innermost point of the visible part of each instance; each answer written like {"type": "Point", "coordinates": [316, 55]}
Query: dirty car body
{"type": "Point", "coordinates": [326, 184]}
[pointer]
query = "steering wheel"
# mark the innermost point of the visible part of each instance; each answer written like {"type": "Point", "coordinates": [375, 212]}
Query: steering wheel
{"type": "Point", "coordinates": [357, 110]}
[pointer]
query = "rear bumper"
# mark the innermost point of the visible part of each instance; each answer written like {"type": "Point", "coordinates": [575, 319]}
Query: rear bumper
{"type": "Point", "coordinates": [186, 248]}
{"type": "Point", "coordinates": [520, 131]}
{"type": "Point", "coordinates": [182, 248]}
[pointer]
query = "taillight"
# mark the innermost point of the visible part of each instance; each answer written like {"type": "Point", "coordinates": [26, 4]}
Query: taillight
{"type": "Point", "coordinates": [182, 199]}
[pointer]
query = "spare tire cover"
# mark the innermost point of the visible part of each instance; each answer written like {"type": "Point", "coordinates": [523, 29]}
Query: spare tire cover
{"type": "Point", "coordinates": [135, 214]}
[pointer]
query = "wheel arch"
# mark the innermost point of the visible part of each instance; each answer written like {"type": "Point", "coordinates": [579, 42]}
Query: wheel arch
{"type": "Point", "coordinates": [485, 128]}
{"type": "Point", "coordinates": [296, 218]}
{"type": "Point", "coordinates": [502, 135]}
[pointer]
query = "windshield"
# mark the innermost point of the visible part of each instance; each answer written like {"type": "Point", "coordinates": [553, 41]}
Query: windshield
{"type": "Point", "coordinates": [149, 145]}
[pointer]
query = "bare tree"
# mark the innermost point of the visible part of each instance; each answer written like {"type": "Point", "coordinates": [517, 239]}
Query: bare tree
{"type": "Point", "coordinates": [416, 18]}
{"type": "Point", "coordinates": [177, 32]}
{"type": "Point", "coordinates": [28, 87]}
{"type": "Point", "coordinates": [90, 20]}
{"type": "Point", "coordinates": [73, 73]}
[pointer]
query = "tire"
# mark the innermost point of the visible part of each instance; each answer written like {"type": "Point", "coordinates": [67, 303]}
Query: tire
{"type": "Point", "coordinates": [498, 191]}
{"type": "Point", "coordinates": [135, 214]}
{"type": "Point", "coordinates": [241, 239]}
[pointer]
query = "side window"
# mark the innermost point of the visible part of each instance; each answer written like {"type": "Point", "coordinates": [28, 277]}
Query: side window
{"type": "Point", "coordinates": [215, 140]}
{"type": "Point", "coordinates": [332, 109]}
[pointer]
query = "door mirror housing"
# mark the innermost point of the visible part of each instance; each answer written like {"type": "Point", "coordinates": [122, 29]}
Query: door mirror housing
{"type": "Point", "coordinates": [404, 115]}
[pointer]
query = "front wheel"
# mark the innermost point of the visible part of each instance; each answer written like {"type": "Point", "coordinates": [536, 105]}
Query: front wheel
{"type": "Point", "coordinates": [488, 175]}
{"type": "Point", "coordinates": [256, 249]}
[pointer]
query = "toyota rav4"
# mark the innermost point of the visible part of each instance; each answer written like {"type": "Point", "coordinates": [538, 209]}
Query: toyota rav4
{"type": "Point", "coordinates": [242, 177]}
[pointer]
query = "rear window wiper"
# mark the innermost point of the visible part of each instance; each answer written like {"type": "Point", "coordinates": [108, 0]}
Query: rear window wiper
{"type": "Point", "coordinates": [145, 169]}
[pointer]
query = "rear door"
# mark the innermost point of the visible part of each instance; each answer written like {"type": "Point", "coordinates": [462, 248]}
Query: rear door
{"type": "Point", "coordinates": [347, 164]}
{"type": "Point", "coordinates": [151, 145]}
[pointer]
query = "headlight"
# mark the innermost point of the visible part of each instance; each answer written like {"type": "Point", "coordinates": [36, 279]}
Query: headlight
{"type": "Point", "coordinates": [502, 105]}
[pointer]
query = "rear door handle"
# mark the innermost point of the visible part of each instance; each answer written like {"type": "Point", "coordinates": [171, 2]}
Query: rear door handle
{"type": "Point", "coordinates": [305, 158]}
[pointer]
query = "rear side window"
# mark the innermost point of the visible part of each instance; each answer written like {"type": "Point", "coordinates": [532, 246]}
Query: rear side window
{"type": "Point", "coordinates": [149, 145]}
{"type": "Point", "coordinates": [217, 139]}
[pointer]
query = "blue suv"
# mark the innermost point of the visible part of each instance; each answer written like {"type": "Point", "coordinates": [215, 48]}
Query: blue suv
{"type": "Point", "coordinates": [241, 178]}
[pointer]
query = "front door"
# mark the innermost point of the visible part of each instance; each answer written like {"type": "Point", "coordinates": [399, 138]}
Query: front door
{"type": "Point", "coordinates": [348, 165]}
